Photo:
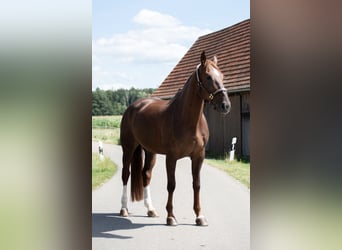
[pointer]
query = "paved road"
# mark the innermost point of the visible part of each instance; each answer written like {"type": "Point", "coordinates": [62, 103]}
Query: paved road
{"type": "Point", "coordinates": [225, 203]}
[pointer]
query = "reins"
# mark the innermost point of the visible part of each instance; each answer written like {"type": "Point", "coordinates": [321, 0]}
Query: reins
{"type": "Point", "coordinates": [211, 95]}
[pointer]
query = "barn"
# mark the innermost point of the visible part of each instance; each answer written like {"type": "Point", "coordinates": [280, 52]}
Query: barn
{"type": "Point", "coordinates": [231, 45]}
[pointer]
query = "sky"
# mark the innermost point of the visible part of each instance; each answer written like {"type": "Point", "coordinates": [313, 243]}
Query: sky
{"type": "Point", "coordinates": [136, 43]}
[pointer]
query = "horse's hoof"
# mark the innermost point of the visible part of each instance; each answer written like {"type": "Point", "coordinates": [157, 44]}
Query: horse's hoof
{"type": "Point", "coordinates": [124, 212]}
{"type": "Point", "coordinates": [171, 221]}
{"type": "Point", "coordinates": [152, 213]}
{"type": "Point", "coordinates": [201, 221]}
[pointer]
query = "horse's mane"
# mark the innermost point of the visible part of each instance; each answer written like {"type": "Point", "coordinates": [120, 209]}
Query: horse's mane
{"type": "Point", "coordinates": [180, 91]}
{"type": "Point", "coordinates": [176, 95]}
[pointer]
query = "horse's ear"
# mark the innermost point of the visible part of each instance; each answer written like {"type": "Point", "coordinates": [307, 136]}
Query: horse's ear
{"type": "Point", "coordinates": [215, 60]}
{"type": "Point", "coordinates": [203, 58]}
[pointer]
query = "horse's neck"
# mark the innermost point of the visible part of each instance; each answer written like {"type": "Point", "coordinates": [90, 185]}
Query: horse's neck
{"type": "Point", "coordinates": [189, 104]}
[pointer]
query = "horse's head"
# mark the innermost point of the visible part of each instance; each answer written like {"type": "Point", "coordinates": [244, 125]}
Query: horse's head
{"type": "Point", "coordinates": [210, 82]}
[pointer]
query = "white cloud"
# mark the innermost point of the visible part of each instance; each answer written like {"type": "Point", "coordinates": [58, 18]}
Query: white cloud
{"type": "Point", "coordinates": [158, 39]}
{"type": "Point", "coordinates": [153, 18]}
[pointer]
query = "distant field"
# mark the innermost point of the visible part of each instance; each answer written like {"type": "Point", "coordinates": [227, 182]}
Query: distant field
{"type": "Point", "coordinates": [106, 128]}
{"type": "Point", "coordinates": [113, 121]}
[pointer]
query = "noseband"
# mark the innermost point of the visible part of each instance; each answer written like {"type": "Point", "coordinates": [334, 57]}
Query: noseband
{"type": "Point", "coordinates": [211, 95]}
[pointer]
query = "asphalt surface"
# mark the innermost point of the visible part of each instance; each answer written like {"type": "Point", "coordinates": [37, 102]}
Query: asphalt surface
{"type": "Point", "coordinates": [225, 203]}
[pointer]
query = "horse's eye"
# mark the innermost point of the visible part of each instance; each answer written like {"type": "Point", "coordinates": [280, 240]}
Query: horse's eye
{"type": "Point", "coordinates": [208, 78]}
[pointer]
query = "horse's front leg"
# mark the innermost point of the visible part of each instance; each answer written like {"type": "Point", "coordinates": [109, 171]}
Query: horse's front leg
{"type": "Point", "coordinates": [171, 185]}
{"type": "Point", "coordinates": [196, 184]}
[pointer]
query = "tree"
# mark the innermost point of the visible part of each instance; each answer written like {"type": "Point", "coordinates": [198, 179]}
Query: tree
{"type": "Point", "coordinates": [101, 105]}
{"type": "Point", "coordinates": [112, 102]}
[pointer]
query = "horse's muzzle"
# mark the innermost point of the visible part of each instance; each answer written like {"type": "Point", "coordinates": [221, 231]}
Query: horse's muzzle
{"type": "Point", "coordinates": [223, 107]}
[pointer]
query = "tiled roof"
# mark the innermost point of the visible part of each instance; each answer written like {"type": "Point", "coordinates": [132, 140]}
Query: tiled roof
{"type": "Point", "coordinates": [232, 48]}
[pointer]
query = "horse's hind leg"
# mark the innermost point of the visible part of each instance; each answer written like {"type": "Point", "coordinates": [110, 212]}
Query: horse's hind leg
{"type": "Point", "coordinates": [126, 161]}
{"type": "Point", "coordinates": [150, 160]}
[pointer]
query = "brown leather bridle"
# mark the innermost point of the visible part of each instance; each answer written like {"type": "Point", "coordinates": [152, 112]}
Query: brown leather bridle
{"type": "Point", "coordinates": [211, 95]}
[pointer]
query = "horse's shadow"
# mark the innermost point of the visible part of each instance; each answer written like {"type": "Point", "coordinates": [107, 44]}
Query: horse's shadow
{"type": "Point", "coordinates": [104, 224]}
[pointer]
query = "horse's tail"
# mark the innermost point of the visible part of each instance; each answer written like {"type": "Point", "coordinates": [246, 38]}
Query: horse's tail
{"type": "Point", "coordinates": [136, 175]}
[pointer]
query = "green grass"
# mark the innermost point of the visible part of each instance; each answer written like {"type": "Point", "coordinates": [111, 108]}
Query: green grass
{"type": "Point", "coordinates": [106, 129]}
{"type": "Point", "coordinates": [237, 169]}
{"type": "Point", "coordinates": [101, 170]}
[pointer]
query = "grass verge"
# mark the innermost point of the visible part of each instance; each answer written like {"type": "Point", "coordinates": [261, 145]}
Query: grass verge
{"type": "Point", "coordinates": [101, 171]}
{"type": "Point", "coordinates": [237, 169]}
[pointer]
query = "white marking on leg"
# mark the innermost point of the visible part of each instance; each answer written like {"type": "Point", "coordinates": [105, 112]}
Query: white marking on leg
{"type": "Point", "coordinates": [124, 198]}
{"type": "Point", "coordinates": [147, 198]}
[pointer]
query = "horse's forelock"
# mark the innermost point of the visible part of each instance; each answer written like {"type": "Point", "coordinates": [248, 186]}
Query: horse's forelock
{"type": "Point", "coordinates": [212, 64]}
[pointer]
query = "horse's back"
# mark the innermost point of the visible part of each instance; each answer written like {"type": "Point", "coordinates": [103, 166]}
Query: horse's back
{"type": "Point", "coordinates": [145, 106]}
{"type": "Point", "coordinates": [142, 122]}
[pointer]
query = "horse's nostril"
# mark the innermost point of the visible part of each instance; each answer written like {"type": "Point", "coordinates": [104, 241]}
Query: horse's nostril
{"type": "Point", "coordinates": [225, 107]}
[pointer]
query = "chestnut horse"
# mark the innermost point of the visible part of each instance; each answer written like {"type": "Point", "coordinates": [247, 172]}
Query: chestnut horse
{"type": "Point", "coordinates": [176, 128]}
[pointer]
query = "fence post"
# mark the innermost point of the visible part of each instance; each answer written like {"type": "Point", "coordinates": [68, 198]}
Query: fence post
{"type": "Point", "coordinates": [101, 151]}
{"type": "Point", "coordinates": [232, 152]}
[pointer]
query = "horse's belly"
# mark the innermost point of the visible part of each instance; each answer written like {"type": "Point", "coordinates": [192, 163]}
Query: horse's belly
{"type": "Point", "coordinates": [149, 135]}
{"type": "Point", "coordinates": [152, 144]}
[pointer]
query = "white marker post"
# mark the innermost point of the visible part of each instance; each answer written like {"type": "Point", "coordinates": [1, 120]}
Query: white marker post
{"type": "Point", "coordinates": [101, 151]}
{"type": "Point", "coordinates": [232, 152]}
